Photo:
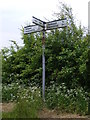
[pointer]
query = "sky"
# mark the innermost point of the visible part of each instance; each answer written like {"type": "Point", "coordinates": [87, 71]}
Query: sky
{"type": "Point", "coordinates": [17, 13]}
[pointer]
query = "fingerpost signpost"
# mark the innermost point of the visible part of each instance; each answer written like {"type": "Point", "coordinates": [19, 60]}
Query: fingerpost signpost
{"type": "Point", "coordinates": [43, 26]}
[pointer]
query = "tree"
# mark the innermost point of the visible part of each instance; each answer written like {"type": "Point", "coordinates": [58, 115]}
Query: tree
{"type": "Point", "coordinates": [67, 52]}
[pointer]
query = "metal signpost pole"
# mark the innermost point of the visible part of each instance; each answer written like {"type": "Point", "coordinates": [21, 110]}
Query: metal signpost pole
{"type": "Point", "coordinates": [43, 65]}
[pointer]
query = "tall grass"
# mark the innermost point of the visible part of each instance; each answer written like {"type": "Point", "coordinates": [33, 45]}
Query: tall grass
{"type": "Point", "coordinates": [23, 109]}
{"type": "Point", "coordinates": [27, 105]}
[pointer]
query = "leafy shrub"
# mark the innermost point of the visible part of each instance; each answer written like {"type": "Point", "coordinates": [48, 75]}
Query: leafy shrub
{"type": "Point", "coordinates": [68, 100]}
{"type": "Point", "coordinates": [9, 92]}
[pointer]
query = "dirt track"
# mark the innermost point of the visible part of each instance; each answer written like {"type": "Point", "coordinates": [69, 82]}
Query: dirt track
{"type": "Point", "coordinates": [7, 107]}
{"type": "Point", "coordinates": [44, 113]}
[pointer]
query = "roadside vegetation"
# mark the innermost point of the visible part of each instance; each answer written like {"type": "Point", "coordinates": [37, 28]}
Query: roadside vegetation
{"type": "Point", "coordinates": [27, 102]}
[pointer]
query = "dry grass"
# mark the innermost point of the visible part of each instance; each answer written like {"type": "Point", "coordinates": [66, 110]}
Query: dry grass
{"type": "Point", "coordinates": [44, 113]}
{"type": "Point", "coordinates": [7, 107]}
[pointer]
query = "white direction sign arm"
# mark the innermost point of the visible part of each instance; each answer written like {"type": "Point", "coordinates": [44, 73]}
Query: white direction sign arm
{"type": "Point", "coordinates": [32, 29]}
{"type": "Point", "coordinates": [38, 21]}
{"type": "Point", "coordinates": [56, 24]}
